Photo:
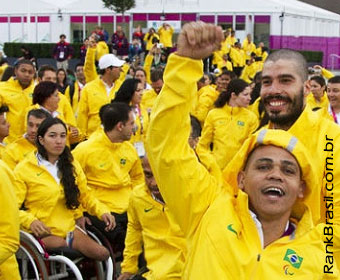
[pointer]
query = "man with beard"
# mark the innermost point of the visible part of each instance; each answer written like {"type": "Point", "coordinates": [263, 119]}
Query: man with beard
{"type": "Point", "coordinates": [284, 86]}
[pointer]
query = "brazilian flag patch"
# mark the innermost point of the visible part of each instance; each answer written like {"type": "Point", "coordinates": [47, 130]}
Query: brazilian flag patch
{"type": "Point", "coordinates": [122, 161]}
{"type": "Point", "coordinates": [240, 123]}
{"type": "Point", "coordinates": [293, 258]}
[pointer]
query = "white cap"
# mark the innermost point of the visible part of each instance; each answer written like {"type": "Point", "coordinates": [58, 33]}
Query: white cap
{"type": "Point", "coordinates": [108, 60]}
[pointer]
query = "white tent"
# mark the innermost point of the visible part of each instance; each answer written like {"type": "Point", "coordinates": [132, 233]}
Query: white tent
{"type": "Point", "coordinates": [288, 17]}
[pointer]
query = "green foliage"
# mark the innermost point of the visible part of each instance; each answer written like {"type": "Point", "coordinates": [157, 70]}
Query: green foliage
{"type": "Point", "coordinates": [119, 6]}
{"type": "Point", "coordinates": [39, 50]}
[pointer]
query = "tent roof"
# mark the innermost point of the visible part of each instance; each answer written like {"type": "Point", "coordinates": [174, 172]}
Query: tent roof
{"type": "Point", "coordinates": [173, 6]}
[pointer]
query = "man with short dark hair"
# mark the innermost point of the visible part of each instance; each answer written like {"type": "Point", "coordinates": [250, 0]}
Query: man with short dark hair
{"type": "Point", "coordinates": [73, 91]}
{"type": "Point", "coordinates": [19, 149]}
{"type": "Point", "coordinates": [98, 93]}
{"type": "Point", "coordinates": [112, 165]}
{"type": "Point", "coordinates": [16, 93]}
{"type": "Point", "coordinates": [149, 96]}
{"type": "Point", "coordinates": [62, 52]}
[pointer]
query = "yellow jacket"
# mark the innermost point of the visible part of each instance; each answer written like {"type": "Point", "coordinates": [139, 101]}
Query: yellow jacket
{"type": "Point", "coordinates": [112, 169]}
{"type": "Point", "coordinates": [223, 242]}
{"type": "Point", "coordinates": [2, 150]}
{"type": "Point", "coordinates": [147, 67]}
{"type": "Point", "coordinates": [326, 73]}
{"type": "Point", "coordinates": [222, 63]}
{"type": "Point", "coordinates": [151, 226]}
{"type": "Point", "coordinates": [90, 70]}
{"type": "Point", "coordinates": [249, 72]}
{"type": "Point", "coordinates": [101, 49]}
{"type": "Point", "coordinates": [226, 129]}
{"type": "Point", "coordinates": [230, 41]}
{"type": "Point", "coordinates": [248, 48]}
{"type": "Point", "coordinates": [32, 181]}
{"type": "Point", "coordinates": [9, 225]}
{"type": "Point", "coordinates": [75, 98]}
{"type": "Point", "coordinates": [149, 40]}
{"type": "Point", "coordinates": [237, 57]}
{"type": "Point", "coordinates": [93, 97]}
{"type": "Point", "coordinates": [18, 100]}
{"type": "Point", "coordinates": [313, 103]}
{"type": "Point", "coordinates": [255, 109]}
{"type": "Point", "coordinates": [9, 222]}
{"type": "Point", "coordinates": [165, 36]}
{"type": "Point", "coordinates": [148, 99]}
{"type": "Point", "coordinates": [17, 151]}
{"type": "Point", "coordinates": [206, 98]}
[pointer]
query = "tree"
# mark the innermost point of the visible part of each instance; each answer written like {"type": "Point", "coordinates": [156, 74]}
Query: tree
{"type": "Point", "coordinates": [119, 6]}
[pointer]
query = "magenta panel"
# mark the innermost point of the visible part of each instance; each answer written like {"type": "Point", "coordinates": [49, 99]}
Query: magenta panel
{"type": "Point", "coordinates": [120, 18]}
{"type": "Point", "coordinates": [106, 19]}
{"type": "Point", "coordinates": [139, 17]}
{"type": "Point", "coordinates": [188, 17]}
{"type": "Point", "coordinates": [208, 19]}
{"type": "Point", "coordinates": [3, 19]}
{"type": "Point", "coordinates": [91, 19]}
{"type": "Point", "coordinates": [262, 19]}
{"type": "Point", "coordinates": [15, 19]}
{"type": "Point", "coordinates": [43, 19]}
{"type": "Point", "coordinates": [154, 16]}
{"type": "Point", "coordinates": [76, 19]}
{"type": "Point", "coordinates": [327, 45]}
{"type": "Point", "coordinates": [172, 17]}
{"type": "Point", "coordinates": [240, 19]}
{"type": "Point", "coordinates": [224, 19]}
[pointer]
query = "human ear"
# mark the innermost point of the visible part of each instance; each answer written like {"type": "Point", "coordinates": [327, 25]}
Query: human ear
{"type": "Point", "coordinates": [302, 189]}
{"type": "Point", "coordinates": [41, 140]}
{"type": "Point", "coordinates": [240, 180]}
{"type": "Point", "coordinates": [306, 88]}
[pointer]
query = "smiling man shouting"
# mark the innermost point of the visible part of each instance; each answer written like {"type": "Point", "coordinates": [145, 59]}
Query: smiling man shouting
{"type": "Point", "coordinates": [262, 231]}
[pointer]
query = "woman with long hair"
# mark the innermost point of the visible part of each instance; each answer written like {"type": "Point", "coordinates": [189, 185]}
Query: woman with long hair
{"type": "Point", "coordinates": [229, 124]}
{"type": "Point", "coordinates": [51, 186]}
{"type": "Point", "coordinates": [62, 80]}
{"type": "Point", "coordinates": [131, 92]}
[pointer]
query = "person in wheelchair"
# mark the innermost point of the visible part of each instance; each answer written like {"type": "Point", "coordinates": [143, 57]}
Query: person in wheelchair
{"type": "Point", "coordinates": [51, 186]}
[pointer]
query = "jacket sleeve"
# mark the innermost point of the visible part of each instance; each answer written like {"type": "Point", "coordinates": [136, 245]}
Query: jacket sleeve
{"type": "Point", "coordinates": [25, 217]}
{"type": "Point", "coordinates": [136, 172]}
{"type": "Point", "coordinates": [185, 184]}
{"type": "Point", "coordinates": [147, 67]}
{"type": "Point", "coordinates": [83, 110]}
{"type": "Point", "coordinates": [9, 221]}
{"type": "Point", "coordinates": [204, 103]}
{"type": "Point", "coordinates": [90, 71]}
{"type": "Point", "coordinates": [133, 241]}
{"type": "Point", "coordinates": [207, 136]}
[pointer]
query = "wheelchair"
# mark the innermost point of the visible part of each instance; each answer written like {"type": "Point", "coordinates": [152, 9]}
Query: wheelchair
{"type": "Point", "coordinates": [60, 263]}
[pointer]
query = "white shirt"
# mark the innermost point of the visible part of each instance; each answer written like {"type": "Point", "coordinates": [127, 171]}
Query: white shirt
{"type": "Point", "coordinates": [51, 168]}
{"type": "Point", "coordinates": [108, 88]}
{"type": "Point", "coordinates": [336, 114]}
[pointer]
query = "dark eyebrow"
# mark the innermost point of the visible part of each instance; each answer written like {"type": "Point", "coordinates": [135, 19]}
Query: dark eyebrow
{"type": "Point", "coordinates": [268, 160]}
{"type": "Point", "coordinates": [287, 162]}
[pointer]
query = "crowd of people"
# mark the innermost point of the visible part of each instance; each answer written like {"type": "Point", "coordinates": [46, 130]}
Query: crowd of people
{"type": "Point", "coordinates": [210, 159]}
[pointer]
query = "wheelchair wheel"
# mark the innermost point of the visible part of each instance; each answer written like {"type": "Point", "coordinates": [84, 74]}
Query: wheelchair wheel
{"type": "Point", "coordinates": [31, 263]}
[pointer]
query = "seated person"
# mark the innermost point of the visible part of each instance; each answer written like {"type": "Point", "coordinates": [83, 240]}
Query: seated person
{"type": "Point", "coordinates": [265, 230]}
{"type": "Point", "coordinates": [150, 226]}
{"type": "Point", "coordinates": [52, 185]}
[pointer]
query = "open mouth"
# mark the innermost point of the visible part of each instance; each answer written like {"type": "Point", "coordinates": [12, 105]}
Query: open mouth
{"type": "Point", "coordinates": [276, 103]}
{"type": "Point", "coordinates": [273, 191]}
